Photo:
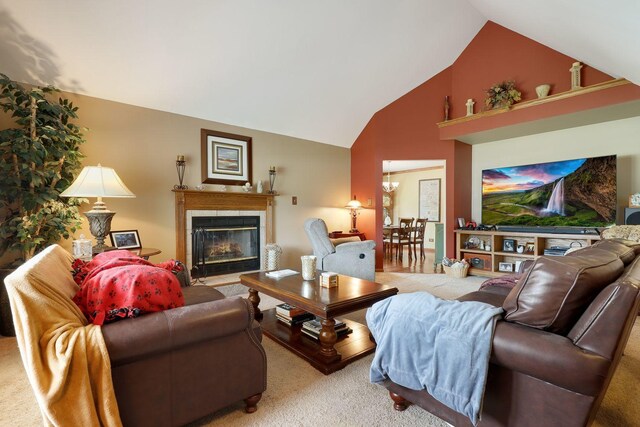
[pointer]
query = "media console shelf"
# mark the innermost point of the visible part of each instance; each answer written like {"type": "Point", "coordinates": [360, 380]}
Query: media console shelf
{"type": "Point", "coordinates": [536, 242]}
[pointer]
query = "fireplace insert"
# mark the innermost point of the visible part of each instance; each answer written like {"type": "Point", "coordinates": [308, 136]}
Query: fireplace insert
{"type": "Point", "coordinates": [225, 244]}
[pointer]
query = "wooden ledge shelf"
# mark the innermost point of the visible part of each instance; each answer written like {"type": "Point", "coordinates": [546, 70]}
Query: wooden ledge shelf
{"type": "Point", "coordinates": [611, 100]}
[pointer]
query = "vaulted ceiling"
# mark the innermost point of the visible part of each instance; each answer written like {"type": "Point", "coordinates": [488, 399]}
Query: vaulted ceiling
{"type": "Point", "coordinates": [316, 70]}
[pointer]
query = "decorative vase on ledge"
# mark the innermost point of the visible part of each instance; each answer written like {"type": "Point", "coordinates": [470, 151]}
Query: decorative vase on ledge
{"type": "Point", "coordinates": [543, 90]}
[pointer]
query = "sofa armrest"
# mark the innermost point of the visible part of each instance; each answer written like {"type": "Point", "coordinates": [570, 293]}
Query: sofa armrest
{"type": "Point", "coordinates": [133, 339]}
{"type": "Point", "coordinates": [351, 247]}
{"type": "Point", "coordinates": [548, 357]}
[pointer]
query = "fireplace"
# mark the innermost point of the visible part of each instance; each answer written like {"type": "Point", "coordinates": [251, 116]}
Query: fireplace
{"type": "Point", "coordinates": [224, 244]}
{"type": "Point", "coordinates": [192, 205]}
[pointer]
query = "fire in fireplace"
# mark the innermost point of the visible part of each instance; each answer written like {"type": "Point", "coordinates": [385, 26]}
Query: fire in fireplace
{"type": "Point", "coordinates": [225, 244]}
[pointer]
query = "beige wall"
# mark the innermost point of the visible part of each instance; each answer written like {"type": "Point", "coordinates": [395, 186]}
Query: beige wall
{"type": "Point", "coordinates": [617, 137]}
{"type": "Point", "coordinates": [142, 144]}
{"type": "Point", "coordinates": [405, 199]}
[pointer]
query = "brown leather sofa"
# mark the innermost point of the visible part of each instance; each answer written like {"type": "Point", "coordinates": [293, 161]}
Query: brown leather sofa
{"type": "Point", "coordinates": [564, 330]}
{"type": "Point", "coordinates": [176, 366]}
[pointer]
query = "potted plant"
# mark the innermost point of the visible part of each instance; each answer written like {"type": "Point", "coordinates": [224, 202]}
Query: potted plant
{"type": "Point", "coordinates": [40, 158]}
{"type": "Point", "coordinates": [502, 95]}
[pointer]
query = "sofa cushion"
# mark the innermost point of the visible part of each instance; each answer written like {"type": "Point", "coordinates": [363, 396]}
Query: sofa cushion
{"type": "Point", "coordinates": [556, 290]}
{"type": "Point", "coordinates": [630, 243]}
{"type": "Point", "coordinates": [624, 252]}
{"type": "Point", "coordinates": [341, 240]}
{"type": "Point", "coordinates": [199, 294]}
{"type": "Point", "coordinates": [493, 295]}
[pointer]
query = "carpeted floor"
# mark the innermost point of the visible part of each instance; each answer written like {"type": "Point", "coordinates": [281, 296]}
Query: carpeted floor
{"type": "Point", "coordinates": [298, 395]}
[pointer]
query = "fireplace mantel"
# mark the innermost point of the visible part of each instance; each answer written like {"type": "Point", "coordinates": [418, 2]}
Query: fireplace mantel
{"type": "Point", "coordinates": [217, 200]}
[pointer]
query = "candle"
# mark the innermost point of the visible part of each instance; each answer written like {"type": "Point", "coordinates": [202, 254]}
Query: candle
{"type": "Point", "coordinates": [180, 158]}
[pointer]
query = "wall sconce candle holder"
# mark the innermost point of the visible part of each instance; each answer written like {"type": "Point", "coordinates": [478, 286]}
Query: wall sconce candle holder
{"type": "Point", "coordinates": [181, 165]}
{"type": "Point", "coordinates": [272, 179]}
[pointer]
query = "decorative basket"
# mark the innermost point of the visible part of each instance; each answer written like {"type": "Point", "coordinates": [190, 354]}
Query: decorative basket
{"type": "Point", "coordinates": [456, 272]}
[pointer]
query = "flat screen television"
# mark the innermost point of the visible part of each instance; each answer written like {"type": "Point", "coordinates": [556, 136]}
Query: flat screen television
{"type": "Point", "coordinates": [568, 193]}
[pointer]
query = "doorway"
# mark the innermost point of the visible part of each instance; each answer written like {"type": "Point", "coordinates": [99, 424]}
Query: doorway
{"type": "Point", "coordinates": [413, 189]}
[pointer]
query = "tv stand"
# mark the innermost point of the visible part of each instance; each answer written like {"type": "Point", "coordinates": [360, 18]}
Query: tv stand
{"type": "Point", "coordinates": [536, 242]}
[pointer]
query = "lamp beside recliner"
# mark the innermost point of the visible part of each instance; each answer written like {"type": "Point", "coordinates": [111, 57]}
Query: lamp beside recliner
{"type": "Point", "coordinates": [355, 206]}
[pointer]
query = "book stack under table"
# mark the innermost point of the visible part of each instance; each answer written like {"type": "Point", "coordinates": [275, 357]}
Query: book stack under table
{"type": "Point", "coordinates": [292, 315]}
{"type": "Point", "coordinates": [311, 326]}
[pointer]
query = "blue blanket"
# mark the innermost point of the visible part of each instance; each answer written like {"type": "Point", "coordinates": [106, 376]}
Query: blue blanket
{"type": "Point", "coordinates": [425, 342]}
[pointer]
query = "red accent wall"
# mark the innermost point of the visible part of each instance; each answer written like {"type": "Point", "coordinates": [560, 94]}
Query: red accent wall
{"type": "Point", "coordinates": [497, 54]}
{"type": "Point", "coordinates": [406, 129]}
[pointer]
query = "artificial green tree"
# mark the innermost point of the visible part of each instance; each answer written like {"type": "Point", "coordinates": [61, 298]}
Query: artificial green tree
{"type": "Point", "coordinates": [40, 158]}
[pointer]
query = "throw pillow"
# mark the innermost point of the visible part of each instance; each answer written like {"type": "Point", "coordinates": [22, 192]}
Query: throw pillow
{"type": "Point", "coordinates": [556, 290]}
{"type": "Point", "coordinates": [624, 252]}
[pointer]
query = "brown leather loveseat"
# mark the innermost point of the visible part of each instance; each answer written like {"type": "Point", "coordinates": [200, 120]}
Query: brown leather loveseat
{"type": "Point", "coordinates": [172, 367]}
{"type": "Point", "coordinates": [564, 329]}
{"type": "Point", "coordinates": [166, 368]}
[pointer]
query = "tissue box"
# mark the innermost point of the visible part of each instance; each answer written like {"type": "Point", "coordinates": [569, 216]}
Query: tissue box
{"type": "Point", "coordinates": [329, 279]}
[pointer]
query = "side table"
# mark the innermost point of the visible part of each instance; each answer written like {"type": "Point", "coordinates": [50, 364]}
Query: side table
{"type": "Point", "coordinates": [145, 252]}
{"type": "Point", "coordinates": [339, 234]}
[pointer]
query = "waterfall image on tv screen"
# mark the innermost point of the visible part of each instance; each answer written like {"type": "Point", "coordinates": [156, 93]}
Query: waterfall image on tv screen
{"type": "Point", "coordinates": [580, 193]}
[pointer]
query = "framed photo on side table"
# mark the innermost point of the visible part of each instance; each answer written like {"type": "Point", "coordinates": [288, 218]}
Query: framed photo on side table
{"type": "Point", "coordinates": [225, 158]}
{"type": "Point", "coordinates": [127, 239]}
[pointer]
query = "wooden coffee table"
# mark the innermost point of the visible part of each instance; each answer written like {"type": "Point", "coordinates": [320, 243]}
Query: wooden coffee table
{"type": "Point", "coordinates": [330, 353]}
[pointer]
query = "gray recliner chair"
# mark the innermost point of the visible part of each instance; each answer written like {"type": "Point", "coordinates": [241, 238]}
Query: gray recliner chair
{"type": "Point", "coordinates": [355, 259]}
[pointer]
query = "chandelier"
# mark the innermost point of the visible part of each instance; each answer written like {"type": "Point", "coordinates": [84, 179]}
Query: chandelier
{"type": "Point", "coordinates": [389, 186]}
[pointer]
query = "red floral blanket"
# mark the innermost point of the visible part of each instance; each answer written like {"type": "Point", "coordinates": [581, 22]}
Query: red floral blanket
{"type": "Point", "coordinates": [117, 284]}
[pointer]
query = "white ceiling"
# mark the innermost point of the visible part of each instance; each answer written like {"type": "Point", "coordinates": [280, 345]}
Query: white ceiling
{"type": "Point", "coordinates": [311, 69]}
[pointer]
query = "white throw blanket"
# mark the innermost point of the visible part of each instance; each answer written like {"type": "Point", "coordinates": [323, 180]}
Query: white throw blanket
{"type": "Point", "coordinates": [426, 343]}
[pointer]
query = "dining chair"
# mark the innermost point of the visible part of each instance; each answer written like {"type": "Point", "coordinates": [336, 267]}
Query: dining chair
{"type": "Point", "coordinates": [387, 241]}
{"type": "Point", "coordinates": [417, 237]}
{"type": "Point", "coordinates": [404, 236]}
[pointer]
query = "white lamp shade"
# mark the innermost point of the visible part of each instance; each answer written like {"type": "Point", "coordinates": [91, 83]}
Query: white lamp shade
{"type": "Point", "coordinates": [354, 204]}
{"type": "Point", "coordinates": [97, 181]}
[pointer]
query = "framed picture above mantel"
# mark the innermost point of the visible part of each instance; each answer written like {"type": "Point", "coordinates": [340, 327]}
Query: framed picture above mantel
{"type": "Point", "coordinates": [226, 158]}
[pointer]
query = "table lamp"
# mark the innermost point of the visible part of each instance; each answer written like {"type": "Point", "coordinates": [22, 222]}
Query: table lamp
{"type": "Point", "coordinates": [354, 205]}
{"type": "Point", "coordinates": [98, 181]}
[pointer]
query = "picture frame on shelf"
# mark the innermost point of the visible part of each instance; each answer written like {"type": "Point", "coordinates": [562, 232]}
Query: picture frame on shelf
{"type": "Point", "coordinates": [634, 200]}
{"type": "Point", "coordinates": [225, 158]}
{"type": "Point", "coordinates": [125, 239]}
{"type": "Point", "coordinates": [530, 248]}
{"type": "Point", "coordinates": [505, 267]}
{"type": "Point", "coordinates": [461, 222]}
{"type": "Point", "coordinates": [508, 245]}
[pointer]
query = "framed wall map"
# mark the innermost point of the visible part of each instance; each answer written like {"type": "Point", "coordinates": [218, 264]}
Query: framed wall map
{"type": "Point", "coordinates": [429, 199]}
